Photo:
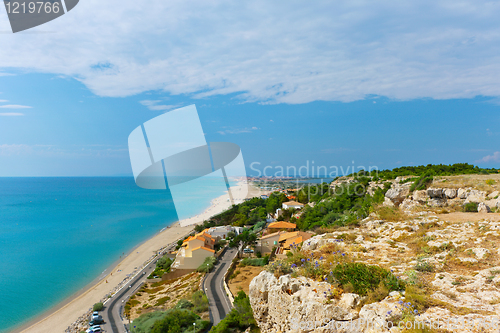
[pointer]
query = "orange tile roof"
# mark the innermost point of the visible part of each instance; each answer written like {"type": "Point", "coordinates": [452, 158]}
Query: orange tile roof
{"type": "Point", "coordinates": [282, 225]}
{"type": "Point", "coordinates": [187, 239]}
{"type": "Point", "coordinates": [271, 235]}
{"type": "Point", "coordinates": [204, 248]}
{"type": "Point", "coordinates": [293, 203]}
{"type": "Point", "coordinates": [288, 235]}
{"type": "Point", "coordinates": [296, 240]}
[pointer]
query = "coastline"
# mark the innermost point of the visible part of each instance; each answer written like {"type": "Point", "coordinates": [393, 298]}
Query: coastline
{"type": "Point", "coordinates": [61, 316]}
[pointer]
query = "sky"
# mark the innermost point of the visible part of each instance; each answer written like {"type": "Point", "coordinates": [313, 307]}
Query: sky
{"type": "Point", "coordinates": [336, 84]}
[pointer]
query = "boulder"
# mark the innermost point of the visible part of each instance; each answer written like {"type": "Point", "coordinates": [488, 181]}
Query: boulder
{"type": "Point", "coordinates": [462, 193]}
{"type": "Point", "coordinates": [476, 196]}
{"type": "Point", "coordinates": [398, 193]}
{"type": "Point", "coordinates": [437, 202]}
{"type": "Point", "coordinates": [420, 196]}
{"type": "Point", "coordinates": [388, 202]}
{"type": "Point", "coordinates": [493, 195]}
{"type": "Point", "coordinates": [408, 204]}
{"type": "Point", "coordinates": [285, 304]}
{"type": "Point", "coordinates": [450, 193]}
{"type": "Point", "coordinates": [482, 208]}
{"type": "Point", "coordinates": [435, 193]}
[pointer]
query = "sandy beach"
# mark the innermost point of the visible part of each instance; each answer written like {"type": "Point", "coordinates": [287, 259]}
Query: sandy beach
{"type": "Point", "coordinates": [63, 315]}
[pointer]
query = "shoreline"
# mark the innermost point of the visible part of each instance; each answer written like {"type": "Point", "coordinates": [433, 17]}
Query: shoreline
{"type": "Point", "coordinates": [62, 315]}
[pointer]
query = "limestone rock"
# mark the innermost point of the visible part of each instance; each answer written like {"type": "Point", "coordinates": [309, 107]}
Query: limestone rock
{"type": "Point", "coordinates": [388, 202]}
{"type": "Point", "coordinates": [450, 193]}
{"type": "Point", "coordinates": [398, 193]}
{"type": "Point", "coordinates": [482, 208]}
{"type": "Point", "coordinates": [476, 196]}
{"type": "Point", "coordinates": [286, 304]}
{"type": "Point", "coordinates": [462, 193]}
{"type": "Point", "coordinates": [493, 195]}
{"type": "Point", "coordinates": [435, 193]}
{"type": "Point", "coordinates": [420, 196]}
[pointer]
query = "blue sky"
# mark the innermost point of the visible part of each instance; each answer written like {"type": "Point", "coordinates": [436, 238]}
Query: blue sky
{"type": "Point", "coordinates": [382, 84]}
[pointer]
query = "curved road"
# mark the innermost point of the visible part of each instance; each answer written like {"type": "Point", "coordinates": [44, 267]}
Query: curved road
{"type": "Point", "coordinates": [219, 303]}
{"type": "Point", "coordinates": [112, 315]}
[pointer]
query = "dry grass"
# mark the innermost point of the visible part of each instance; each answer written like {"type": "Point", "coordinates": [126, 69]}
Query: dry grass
{"type": "Point", "coordinates": [479, 182]}
{"type": "Point", "coordinates": [390, 214]}
{"type": "Point", "coordinates": [242, 280]}
{"type": "Point", "coordinates": [164, 294]}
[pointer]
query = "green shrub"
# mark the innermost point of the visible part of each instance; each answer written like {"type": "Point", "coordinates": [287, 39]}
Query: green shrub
{"type": "Point", "coordinates": [207, 265]}
{"type": "Point", "coordinates": [162, 301]}
{"type": "Point", "coordinates": [184, 304]}
{"type": "Point", "coordinates": [239, 319]}
{"type": "Point", "coordinates": [363, 278]}
{"type": "Point", "coordinates": [98, 306]}
{"type": "Point", "coordinates": [179, 321]}
{"type": "Point", "coordinates": [424, 266]}
{"type": "Point", "coordinates": [490, 182]}
{"type": "Point", "coordinates": [470, 207]}
{"type": "Point", "coordinates": [422, 182]}
{"type": "Point", "coordinates": [200, 302]}
{"type": "Point", "coordinates": [255, 261]}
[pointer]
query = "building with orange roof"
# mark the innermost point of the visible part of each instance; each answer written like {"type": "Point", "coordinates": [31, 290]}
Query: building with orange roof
{"type": "Point", "coordinates": [194, 250]}
{"type": "Point", "coordinates": [280, 226]}
{"type": "Point", "coordinates": [292, 204]}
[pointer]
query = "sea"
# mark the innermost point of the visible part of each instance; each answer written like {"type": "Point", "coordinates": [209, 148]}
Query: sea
{"type": "Point", "coordinates": [57, 235]}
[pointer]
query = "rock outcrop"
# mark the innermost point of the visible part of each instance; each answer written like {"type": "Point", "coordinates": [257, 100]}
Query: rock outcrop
{"type": "Point", "coordinates": [397, 193]}
{"type": "Point", "coordinates": [483, 208]}
{"type": "Point", "coordinates": [299, 305]}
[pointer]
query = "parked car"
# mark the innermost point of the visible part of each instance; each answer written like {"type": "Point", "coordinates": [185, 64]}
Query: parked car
{"type": "Point", "coordinates": [94, 329]}
{"type": "Point", "coordinates": [95, 314]}
{"type": "Point", "coordinates": [247, 251]}
{"type": "Point", "coordinates": [96, 321]}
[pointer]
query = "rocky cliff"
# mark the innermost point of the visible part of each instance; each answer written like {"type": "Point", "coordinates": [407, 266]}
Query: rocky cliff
{"type": "Point", "coordinates": [453, 266]}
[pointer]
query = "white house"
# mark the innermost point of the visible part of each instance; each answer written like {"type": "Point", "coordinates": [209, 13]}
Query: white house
{"type": "Point", "coordinates": [222, 231]}
{"type": "Point", "coordinates": [292, 204]}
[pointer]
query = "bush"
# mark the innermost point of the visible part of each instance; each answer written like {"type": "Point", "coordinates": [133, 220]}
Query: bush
{"type": "Point", "coordinates": [200, 302]}
{"type": "Point", "coordinates": [490, 182]}
{"type": "Point", "coordinates": [184, 304]}
{"type": "Point", "coordinates": [363, 278]}
{"type": "Point", "coordinates": [470, 207]}
{"type": "Point", "coordinates": [255, 261]}
{"type": "Point", "coordinates": [179, 321]}
{"type": "Point", "coordinates": [239, 319]}
{"type": "Point", "coordinates": [98, 306]}
{"type": "Point", "coordinates": [422, 182]}
{"type": "Point", "coordinates": [207, 265]}
{"type": "Point", "coordinates": [424, 267]}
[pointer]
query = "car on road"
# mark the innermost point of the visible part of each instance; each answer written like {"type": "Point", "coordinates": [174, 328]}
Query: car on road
{"type": "Point", "coordinates": [94, 329]}
{"type": "Point", "coordinates": [96, 321]}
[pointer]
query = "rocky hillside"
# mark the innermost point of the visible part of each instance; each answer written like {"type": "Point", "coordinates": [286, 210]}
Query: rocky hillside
{"type": "Point", "coordinates": [450, 271]}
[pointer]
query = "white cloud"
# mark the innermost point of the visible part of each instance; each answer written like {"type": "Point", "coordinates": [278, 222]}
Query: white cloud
{"type": "Point", "coordinates": [11, 114]}
{"type": "Point", "coordinates": [268, 51]}
{"type": "Point", "coordinates": [13, 106]}
{"type": "Point", "coordinates": [3, 100]}
{"type": "Point", "coordinates": [495, 157]}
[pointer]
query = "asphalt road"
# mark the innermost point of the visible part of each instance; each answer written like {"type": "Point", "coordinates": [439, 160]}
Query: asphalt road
{"type": "Point", "coordinates": [112, 314]}
{"type": "Point", "coordinates": [219, 303]}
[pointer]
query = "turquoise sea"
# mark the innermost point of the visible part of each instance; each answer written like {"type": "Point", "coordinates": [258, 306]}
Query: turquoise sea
{"type": "Point", "coordinates": [59, 234]}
